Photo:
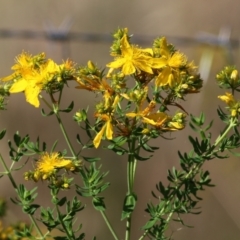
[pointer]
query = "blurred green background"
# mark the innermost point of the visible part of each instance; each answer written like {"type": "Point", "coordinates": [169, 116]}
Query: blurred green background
{"type": "Point", "coordinates": [88, 25]}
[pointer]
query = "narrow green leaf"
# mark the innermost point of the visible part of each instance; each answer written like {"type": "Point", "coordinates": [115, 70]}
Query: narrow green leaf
{"type": "Point", "coordinates": [62, 201]}
{"type": "Point", "coordinates": [53, 147]}
{"type": "Point", "coordinates": [91, 159]}
{"type": "Point", "coordinates": [149, 224]}
{"type": "Point", "coordinates": [98, 203]}
{"type": "Point", "coordinates": [79, 140]}
{"type": "Point", "coordinates": [142, 158]}
{"type": "Point", "coordinates": [45, 114]}
{"type": "Point", "coordinates": [17, 139]}
{"type": "Point", "coordinates": [69, 108]}
{"type": "Point", "coordinates": [2, 133]}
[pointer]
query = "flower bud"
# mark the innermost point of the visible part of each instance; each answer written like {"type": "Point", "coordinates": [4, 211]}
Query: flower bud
{"type": "Point", "coordinates": [234, 75]}
{"type": "Point", "coordinates": [90, 65]}
{"type": "Point", "coordinates": [145, 131]}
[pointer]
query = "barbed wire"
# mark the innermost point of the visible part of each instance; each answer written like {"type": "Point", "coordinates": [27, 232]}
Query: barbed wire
{"type": "Point", "coordinates": [59, 35]}
{"type": "Point", "coordinates": [63, 34]}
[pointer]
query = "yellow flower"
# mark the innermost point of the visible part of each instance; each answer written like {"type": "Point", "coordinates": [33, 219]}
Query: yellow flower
{"type": "Point", "coordinates": [67, 65]}
{"type": "Point", "coordinates": [234, 105]}
{"type": "Point", "coordinates": [132, 59]}
{"type": "Point", "coordinates": [169, 64]}
{"type": "Point", "coordinates": [175, 125]}
{"type": "Point", "coordinates": [109, 106]}
{"type": "Point", "coordinates": [177, 122]}
{"type": "Point", "coordinates": [31, 82]}
{"type": "Point", "coordinates": [228, 98]}
{"type": "Point", "coordinates": [107, 130]}
{"type": "Point", "coordinates": [110, 101]}
{"type": "Point", "coordinates": [66, 70]}
{"type": "Point", "coordinates": [31, 88]}
{"type": "Point", "coordinates": [156, 119]}
{"type": "Point", "coordinates": [144, 112]}
{"type": "Point", "coordinates": [48, 163]}
{"type": "Point", "coordinates": [32, 73]}
{"type": "Point", "coordinates": [93, 83]}
{"type": "Point", "coordinates": [25, 63]}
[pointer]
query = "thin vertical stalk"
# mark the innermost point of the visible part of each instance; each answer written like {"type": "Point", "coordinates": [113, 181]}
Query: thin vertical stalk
{"type": "Point", "coordinates": [131, 169]}
{"type": "Point", "coordinates": [109, 225]}
{"type": "Point", "coordinates": [9, 174]}
{"type": "Point", "coordinates": [65, 134]}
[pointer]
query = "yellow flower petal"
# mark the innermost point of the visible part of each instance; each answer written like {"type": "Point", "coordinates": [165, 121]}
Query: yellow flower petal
{"type": "Point", "coordinates": [10, 77]}
{"type": "Point", "coordinates": [147, 50]}
{"type": "Point", "coordinates": [158, 62]}
{"type": "Point", "coordinates": [156, 119]}
{"type": "Point", "coordinates": [177, 60]}
{"type": "Point", "coordinates": [98, 137]}
{"type": "Point", "coordinates": [115, 102]}
{"type": "Point", "coordinates": [109, 130]}
{"type": "Point", "coordinates": [144, 64]}
{"type": "Point", "coordinates": [164, 77]}
{"type": "Point", "coordinates": [126, 47]}
{"type": "Point", "coordinates": [31, 94]}
{"type": "Point", "coordinates": [176, 125]}
{"type": "Point", "coordinates": [131, 115]}
{"type": "Point", "coordinates": [18, 86]}
{"type": "Point", "coordinates": [117, 63]}
{"type": "Point", "coordinates": [128, 68]}
{"type": "Point", "coordinates": [64, 163]}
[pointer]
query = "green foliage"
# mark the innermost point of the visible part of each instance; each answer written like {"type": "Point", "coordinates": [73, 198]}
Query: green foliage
{"type": "Point", "coordinates": [17, 153]}
{"type": "Point", "coordinates": [34, 148]}
{"type": "Point", "coordinates": [26, 199]}
{"type": "Point", "coordinates": [54, 219]}
{"type": "Point", "coordinates": [93, 182]}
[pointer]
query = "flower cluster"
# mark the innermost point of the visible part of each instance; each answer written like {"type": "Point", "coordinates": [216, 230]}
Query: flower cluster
{"type": "Point", "coordinates": [162, 62]}
{"type": "Point", "coordinates": [160, 75]}
{"type": "Point", "coordinates": [48, 167]}
{"type": "Point", "coordinates": [229, 78]}
{"type": "Point", "coordinates": [32, 74]}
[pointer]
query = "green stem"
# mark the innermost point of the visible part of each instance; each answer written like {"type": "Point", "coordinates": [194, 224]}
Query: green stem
{"type": "Point", "coordinates": [60, 96]}
{"type": "Point", "coordinates": [128, 227]}
{"type": "Point", "coordinates": [65, 134]}
{"type": "Point", "coordinates": [64, 131]}
{"type": "Point", "coordinates": [62, 223]}
{"type": "Point", "coordinates": [109, 225]}
{"type": "Point", "coordinates": [9, 174]}
{"type": "Point", "coordinates": [232, 124]}
{"type": "Point", "coordinates": [45, 101]}
{"type": "Point", "coordinates": [36, 226]}
{"type": "Point", "coordinates": [131, 170]}
{"type": "Point", "coordinates": [55, 109]}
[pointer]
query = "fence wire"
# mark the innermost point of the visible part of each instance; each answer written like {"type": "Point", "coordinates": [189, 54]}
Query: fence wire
{"type": "Point", "coordinates": [63, 34]}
